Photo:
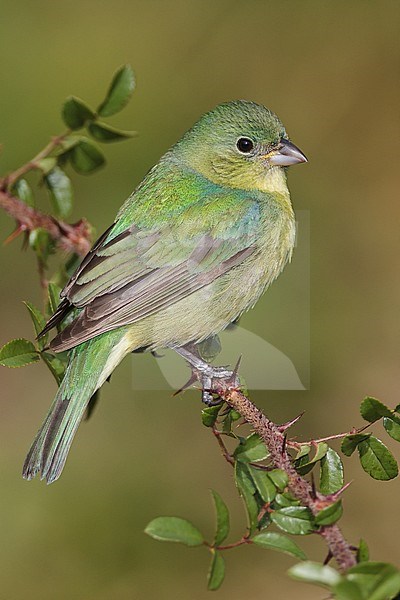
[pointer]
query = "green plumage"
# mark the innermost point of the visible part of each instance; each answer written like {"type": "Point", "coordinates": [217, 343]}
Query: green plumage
{"type": "Point", "coordinates": [194, 246]}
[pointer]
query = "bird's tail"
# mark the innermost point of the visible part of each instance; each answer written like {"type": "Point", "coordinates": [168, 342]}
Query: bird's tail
{"type": "Point", "coordinates": [89, 366]}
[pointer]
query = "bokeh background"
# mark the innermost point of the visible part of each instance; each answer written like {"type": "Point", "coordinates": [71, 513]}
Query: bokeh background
{"type": "Point", "coordinates": [330, 70]}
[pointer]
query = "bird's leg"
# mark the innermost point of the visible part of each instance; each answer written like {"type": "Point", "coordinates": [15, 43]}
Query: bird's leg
{"type": "Point", "coordinates": [204, 372]}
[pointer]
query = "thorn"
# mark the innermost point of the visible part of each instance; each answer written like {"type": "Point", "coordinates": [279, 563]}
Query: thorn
{"type": "Point", "coordinates": [328, 558]}
{"type": "Point", "coordinates": [342, 489]}
{"type": "Point", "coordinates": [187, 385]}
{"type": "Point", "coordinates": [236, 367]}
{"type": "Point", "coordinates": [288, 424]}
{"type": "Point", "coordinates": [13, 235]}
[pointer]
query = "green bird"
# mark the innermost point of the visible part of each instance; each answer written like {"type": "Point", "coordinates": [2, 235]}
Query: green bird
{"type": "Point", "coordinates": [195, 245]}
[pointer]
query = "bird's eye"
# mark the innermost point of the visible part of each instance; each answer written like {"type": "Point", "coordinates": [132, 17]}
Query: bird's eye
{"type": "Point", "coordinates": [245, 145]}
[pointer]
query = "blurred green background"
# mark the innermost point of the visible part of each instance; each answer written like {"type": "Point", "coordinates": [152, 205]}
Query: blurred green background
{"type": "Point", "coordinates": [330, 71]}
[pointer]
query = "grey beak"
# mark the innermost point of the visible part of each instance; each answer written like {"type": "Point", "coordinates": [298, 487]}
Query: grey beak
{"type": "Point", "coordinates": [287, 154]}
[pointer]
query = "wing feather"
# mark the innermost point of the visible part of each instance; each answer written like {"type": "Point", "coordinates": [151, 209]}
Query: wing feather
{"type": "Point", "coordinates": [139, 272]}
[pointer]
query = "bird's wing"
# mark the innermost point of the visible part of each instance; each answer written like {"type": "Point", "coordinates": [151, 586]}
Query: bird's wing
{"type": "Point", "coordinates": [140, 271]}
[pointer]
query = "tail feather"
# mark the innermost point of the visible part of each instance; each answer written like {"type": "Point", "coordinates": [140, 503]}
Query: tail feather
{"type": "Point", "coordinates": [89, 366]}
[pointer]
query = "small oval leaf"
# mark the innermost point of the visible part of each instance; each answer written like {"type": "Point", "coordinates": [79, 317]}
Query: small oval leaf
{"type": "Point", "coordinates": [297, 520]}
{"type": "Point", "coordinates": [75, 113]}
{"type": "Point", "coordinates": [313, 572]}
{"type": "Point", "coordinates": [350, 442]}
{"type": "Point", "coordinates": [120, 90]}
{"type": "Point", "coordinates": [86, 157]}
{"type": "Point", "coordinates": [18, 353]}
{"type": "Point", "coordinates": [279, 478]}
{"type": "Point", "coordinates": [392, 426]}
{"type": "Point", "coordinates": [174, 529]}
{"type": "Point", "coordinates": [209, 415]}
{"type": "Point", "coordinates": [60, 190]}
{"type": "Point", "coordinates": [348, 590]}
{"type": "Point", "coordinates": [377, 460]}
{"type": "Point", "coordinates": [42, 243]}
{"type": "Point", "coordinates": [38, 321]}
{"type": "Point", "coordinates": [222, 513]}
{"type": "Point", "coordinates": [247, 490]}
{"type": "Point", "coordinates": [216, 573]}
{"type": "Point", "coordinates": [263, 483]}
{"type": "Point", "coordinates": [251, 449]}
{"type": "Point", "coordinates": [372, 409]}
{"type": "Point", "coordinates": [278, 541]}
{"type": "Point", "coordinates": [105, 133]}
{"type": "Point", "coordinates": [331, 474]}
{"type": "Point", "coordinates": [330, 514]}
{"type": "Point", "coordinates": [24, 192]}
{"type": "Point", "coordinates": [56, 365]}
{"type": "Point", "coordinates": [362, 551]}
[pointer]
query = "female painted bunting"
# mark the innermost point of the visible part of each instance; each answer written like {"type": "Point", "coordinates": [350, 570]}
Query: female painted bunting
{"type": "Point", "coordinates": [194, 246]}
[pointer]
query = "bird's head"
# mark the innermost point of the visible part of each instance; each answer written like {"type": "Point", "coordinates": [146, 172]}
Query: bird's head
{"type": "Point", "coordinates": [239, 144]}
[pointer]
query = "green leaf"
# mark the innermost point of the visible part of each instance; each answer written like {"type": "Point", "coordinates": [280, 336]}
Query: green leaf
{"type": "Point", "coordinates": [362, 551]}
{"type": "Point", "coordinates": [303, 451]}
{"type": "Point", "coordinates": [347, 590]}
{"type": "Point", "coordinates": [330, 514]}
{"type": "Point", "coordinates": [86, 157]}
{"type": "Point", "coordinates": [55, 364]}
{"type": "Point", "coordinates": [313, 572]}
{"type": "Point", "coordinates": [370, 576]}
{"type": "Point", "coordinates": [278, 541]}
{"type": "Point", "coordinates": [372, 409]}
{"type": "Point", "coordinates": [263, 483]}
{"type": "Point", "coordinates": [222, 513]}
{"type": "Point", "coordinates": [279, 478]}
{"type": "Point", "coordinates": [286, 499]}
{"type": "Point", "coordinates": [47, 164]}
{"type": "Point", "coordinates": [216, 573]}
{"type": "Point", "coordinates": [331, 474]}
{"type": "Point", "coordinates": [251, 449]}
{"type": "Point", "coordinates": [75, 113]}
{"type": "Point", "coordinates": [174, 529]}
{"type": "Point", "coordinates": [297, 520]}
{"type": "Point", "coordinates": [18, 353]}
{"type": "Point", "coordinates": [105, 133]}
{"type": "Point", "coordinates": [41, 242]}
{"type": "Point", "coordinates": [377, 460]}
{"type": "Point", "coordinates": [38, 321]}
{"type": "Point", "coordinates": [387, 587]}
{"type": "Point", "coordinates": [24, 192]}
{"type": "Point", "coordinates": [304, 464]}
{"type": "Point", "coordinates": [61, 193]}
{"type": "Point", "coordinates": [54, 296]}
{"type": "Point", "coordinates": [209, 415]}
{"type": "Point", "coordinates": [120, 91]}
{"type": "Point", "coordinates": [350, 442]}
{"type": "Point", "coordinates": [392, 426]}
{"type": "Point", "coordinates": [247, 490]}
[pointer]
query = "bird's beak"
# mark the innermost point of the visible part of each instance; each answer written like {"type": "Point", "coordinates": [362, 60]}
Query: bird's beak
{"type": "Point", "coordinates": [285, 155]}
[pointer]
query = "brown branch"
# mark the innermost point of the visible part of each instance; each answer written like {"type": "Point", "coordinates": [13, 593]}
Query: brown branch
{"type": "Point", "coordinates": [9, 181]}
{"type": "Point", "coordinates": [70, 238]}
{"type": "Point", "coordinates": [274, 439]}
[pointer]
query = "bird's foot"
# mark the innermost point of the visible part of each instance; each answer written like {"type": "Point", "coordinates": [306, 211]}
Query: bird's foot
{"type": "Point", "coordinates": [206, 374]}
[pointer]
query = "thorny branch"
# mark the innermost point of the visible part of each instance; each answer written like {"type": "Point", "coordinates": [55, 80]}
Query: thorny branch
{"type": "Point", "coordinates": [275, 440]}
{"type": "Point", "coordinates": [69, 238]}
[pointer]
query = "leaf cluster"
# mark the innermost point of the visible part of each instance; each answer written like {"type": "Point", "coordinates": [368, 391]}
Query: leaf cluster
{"type": "Point", "coordinates": [274, 515]}
{"type": "Point", "coordinates": [76, 147]}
